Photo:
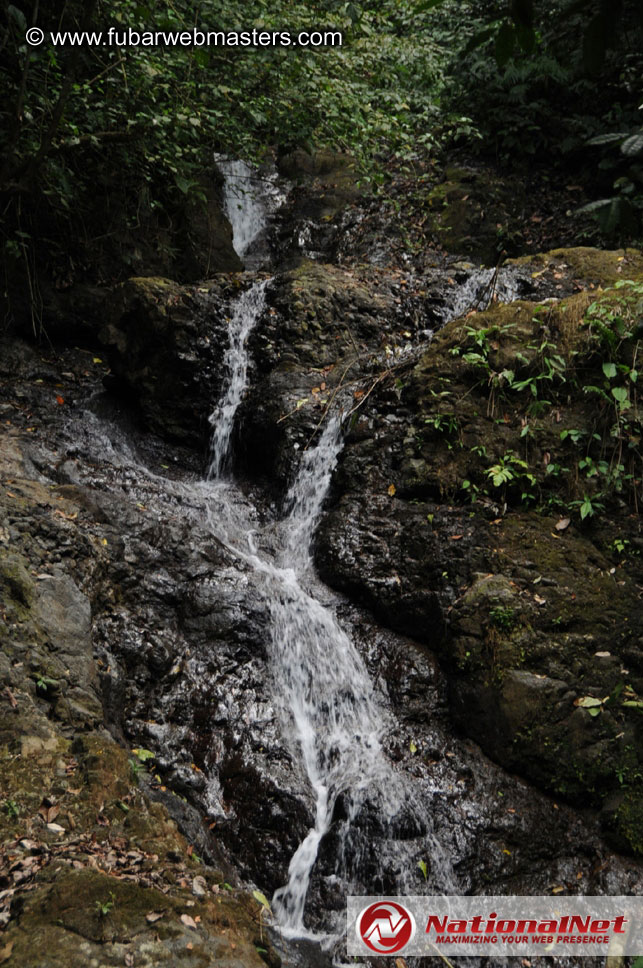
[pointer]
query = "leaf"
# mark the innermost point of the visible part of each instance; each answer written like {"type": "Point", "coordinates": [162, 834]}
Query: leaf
{"type": "Point", "coordinates": [423, 868]}
{"type": "Point", "coordinates": [391, 489]}
{"type": "Point", "coordinates": [188, 921]}
{"type": "Point", "coordinates": [562, 524]}
{"type": "Point", "coordinates": [428, 5]}
{"type": "Point", "coordinates": [412, 746]}
{"type": "Point", "coordinates": [153, 916]}
{"type": "Point", "coordinates": [5, 951]}
{"type": "Point", "coordinates": [588, 702]}
{"type": "Point", "coordinates": [609, 369]}
{"type": "Point", "coordinates": [479, 39]}
{"type": "Point", "coordinates": [620, 394]}
{"type": "Point", "coordinates": [60, 400]}
{"type": "Point", "coordinates": [263, 900]}
{"type": "Point", "coordinates": [605, 139]}
{"type": "Point", "coordinates": [633, 145]}
{"type": "Point", "coordinates": [143, 755]}
{"type": "Point", "coordinates": [48, 811]}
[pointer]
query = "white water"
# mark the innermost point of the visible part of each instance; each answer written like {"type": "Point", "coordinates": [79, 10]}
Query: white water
{"type": "Point", "coordinates": [247, 311]}
{"type": "Point", "coordinates": [249, 199]}
{"type": "Point", "coordinates": [321, 688]}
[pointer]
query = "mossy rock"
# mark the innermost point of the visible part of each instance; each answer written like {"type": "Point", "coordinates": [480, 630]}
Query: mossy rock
{"type": "Point", "coordinates": [590, 265]}
{"type": "Point", "coordinates": [86, 917]}
{"type": "Point", "coordinates": [472, 212]}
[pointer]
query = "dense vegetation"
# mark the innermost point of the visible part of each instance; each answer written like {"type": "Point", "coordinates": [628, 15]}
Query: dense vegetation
{"type": "Point", "coordinates": [101, 144]}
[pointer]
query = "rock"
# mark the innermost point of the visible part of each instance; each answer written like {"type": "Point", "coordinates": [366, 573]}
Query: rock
{"type": "Point", "coordinates": [516, 609]}
{"type": "Point", "coordinates": [466, 210]}
{"type": "Point", "coordinates": [326, 184]}
{"type": "Point", "coordinates": [166, 345]}
{"type": "Point", "coordinates": [199, 886]}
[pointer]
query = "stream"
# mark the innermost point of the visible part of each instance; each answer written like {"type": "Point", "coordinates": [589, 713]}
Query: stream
{"type": "Point", "coordinates": [303, 714]}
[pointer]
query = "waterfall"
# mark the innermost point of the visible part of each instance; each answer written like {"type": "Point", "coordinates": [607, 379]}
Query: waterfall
{"type": "Point", "coordinates": [250, 198]}
{"type": "Point", "coordinates": [247, 311]}
{"type": "Point", "coordinates": [321, 688]}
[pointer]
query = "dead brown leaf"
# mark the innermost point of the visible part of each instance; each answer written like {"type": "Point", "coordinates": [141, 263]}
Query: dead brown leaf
{"type": "Point", "coordinates": [5, 952]}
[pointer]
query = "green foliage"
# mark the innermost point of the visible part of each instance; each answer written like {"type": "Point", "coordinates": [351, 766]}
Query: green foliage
{"type": "Point", "coordinates": [503, 617]}
{"type": "Point", "coordinates": [103, 140]}
{"type": "Point", "coordinates": [549, 78]}
{"type": "Point", "coordinates": [104, 907]}
{"type": "Point", "coordinates": [602, 462]}
{"type": "Point", "coordinates": [143, 755]}
{"type": "Point", "coordinates": [11, 808]}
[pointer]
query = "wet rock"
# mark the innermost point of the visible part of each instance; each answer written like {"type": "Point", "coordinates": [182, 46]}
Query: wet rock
{"type": "Point", "coordinates": [166, 345]}
{"type": "Point", "coordinates": [527, 617]}
{"type": "Point", "coordinates": [325, 184]}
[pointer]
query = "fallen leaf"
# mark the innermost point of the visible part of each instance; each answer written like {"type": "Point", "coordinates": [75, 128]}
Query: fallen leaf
{"type": "Point", "coordinates": [591, 703]}
{"type": "Point", "coordinates": [391, 489]}
{"type": "Point", "coordinates": [455, 537]}
{"type": "Point", "coordinates": [558, 889]}
{"type": "Point", "coordinates": [562, 524]}
{"type": "Point", "coordinates": [5, 952]}
{"type": "Point", "coordinates": [153, 916]}
{"type": "Point", "coordinates": [539, 600]}
{"type": "Point", "coordinates": [603, 655]}
{"type": "Point", "coordinates": [188, 921]}
{"type": "Point", "coordinates": [60, 400]}
{"type": "Point", "coordinates": [48, 810]}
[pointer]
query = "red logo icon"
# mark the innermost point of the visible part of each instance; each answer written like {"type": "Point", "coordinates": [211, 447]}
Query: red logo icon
{"type": "Point", "coordinates": [386, 927]}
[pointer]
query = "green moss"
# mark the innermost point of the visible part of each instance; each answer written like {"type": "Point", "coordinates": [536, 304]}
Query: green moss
{"type": "Point", "coordinates": [629, 819]}
{"type": "Point", "coordinates": [15, 581]}
{"type": "Point", "coordinates": [604, 267]}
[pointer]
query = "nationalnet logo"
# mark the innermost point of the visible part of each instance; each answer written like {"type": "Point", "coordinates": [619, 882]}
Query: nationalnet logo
{"type": "Point", "coordinates": [503, 926]}
{"type": "Point", "coordinates": [385, 927]}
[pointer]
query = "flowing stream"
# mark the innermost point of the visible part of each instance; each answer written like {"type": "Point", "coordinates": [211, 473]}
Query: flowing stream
{"type": "Point", "coordinates": [330, 718]}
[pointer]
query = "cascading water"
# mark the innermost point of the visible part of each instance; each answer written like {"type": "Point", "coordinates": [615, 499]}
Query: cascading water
{"type": "Point", "coordinates": [321, 687]}
{"type": "Point", "coordinates": [246, 313]}
{"type": "Point", "coordinates": [310, 759]}
{"type": "Point", "coordinates": [324, 690]}
{"type": "Point", "coordinates": [249, 199]}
